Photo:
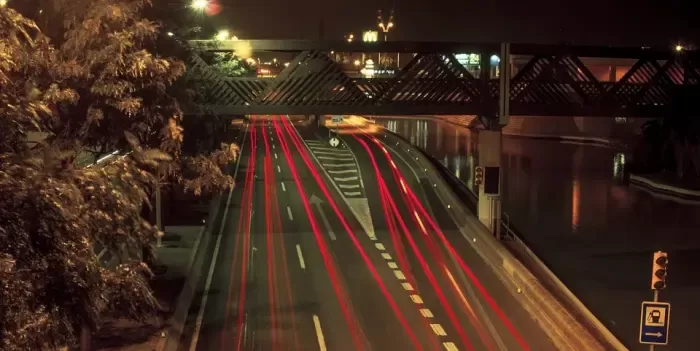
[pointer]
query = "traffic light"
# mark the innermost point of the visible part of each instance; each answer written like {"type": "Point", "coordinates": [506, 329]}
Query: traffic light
{"type": "Point", "coordinates": [658, 274]}
{"type": "Point", "coordinates": [479, 176]}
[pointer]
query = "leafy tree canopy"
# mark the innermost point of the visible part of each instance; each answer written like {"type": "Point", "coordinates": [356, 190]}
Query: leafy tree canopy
{"type": "Point", "coordinates": [100, 85]}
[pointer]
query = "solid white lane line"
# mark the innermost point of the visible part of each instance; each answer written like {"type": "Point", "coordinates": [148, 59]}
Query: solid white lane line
{"type": "Point", "coordinates": [328, 150]}
{"type": "Point", "coordinates": [338, 164]}
{"type": "Point", "coordinates": [343, 171]}
{"type": "Point", "coordinates": [301, 258]}
{"type": "Point", "coordinates": [289, 213]}
{"type": "Point", "coordinates": [426, 313]}
{"type": "Point", "coordinates": [210, 274]}
{"type": "Point", "coordinates": [416, 299]}
{"type": "Point", "coordinates": [380, 246]}
{"type": "Point", "coordinates": [319, 334]}
{"type": "Point", "coordinates": [346, 179]}
{"type": "Point", "coordinates": [438, 329]}
{"type": "Point", "coordinates": [284, 188]}
{"type": "Point", "coordinates": [323, 157]}
{"type": "Point", "coordinates": [279, 170]}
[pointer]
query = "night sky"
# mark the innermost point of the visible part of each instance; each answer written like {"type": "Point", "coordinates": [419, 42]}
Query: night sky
{"type": "Point", "coordinates": [611, 22]}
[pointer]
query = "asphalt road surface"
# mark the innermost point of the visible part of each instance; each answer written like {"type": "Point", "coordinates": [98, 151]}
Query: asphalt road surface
{"type": "Point", "coordinates": [321, 248]}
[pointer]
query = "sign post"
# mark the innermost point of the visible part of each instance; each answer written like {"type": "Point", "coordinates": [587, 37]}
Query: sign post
{"type": "Point", "coordinates": [654, 323]}
{"type": "Point", "coordinates": [656, 316]}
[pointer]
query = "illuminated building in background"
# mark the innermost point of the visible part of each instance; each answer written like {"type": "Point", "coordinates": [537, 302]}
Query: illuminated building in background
{"type": "Point", "coordinates": [370, 36]}
{"type": "Point", "coordinates": [472, 62]}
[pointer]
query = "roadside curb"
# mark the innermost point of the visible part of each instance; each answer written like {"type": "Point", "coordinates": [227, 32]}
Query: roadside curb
{"type": "Point", "coordinates": [665, 189]}
{"type": "Point", "coordinates": [179, 318]}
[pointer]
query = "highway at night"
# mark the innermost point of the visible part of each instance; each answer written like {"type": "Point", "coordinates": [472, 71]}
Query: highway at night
{"type": "Point", "coordinates": [347, 248]}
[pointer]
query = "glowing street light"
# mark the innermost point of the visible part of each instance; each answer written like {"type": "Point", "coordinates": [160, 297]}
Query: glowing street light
{"type": "Point", "coordinates": [679, 48]}
{"type": "Point", "coordinates": [170, 34]}
{"type": "Point", "coordinates": [200, 5]}
{"type": "Point", "coordinates": [223, 35]}
{"type": "Point", "coordinates": [385, 27]}
{"type": "Point", "coordinates": [3, 3]}
{"type": "Point", "coordinates": [350, 37]}
{"type": "Point", "coordinates": [357, 62]}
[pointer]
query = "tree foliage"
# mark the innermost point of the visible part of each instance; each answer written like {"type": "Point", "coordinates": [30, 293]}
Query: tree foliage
{"type": "Point", "coordinates": [96, 84]}
{"type": "Point", "coordinates": [231, 65]}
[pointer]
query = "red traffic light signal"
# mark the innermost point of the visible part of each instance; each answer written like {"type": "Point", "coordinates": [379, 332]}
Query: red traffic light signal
{"type": "Point", "coordinates": [659, 270]}
{"type": "Point", "coordinates": [479, 176]}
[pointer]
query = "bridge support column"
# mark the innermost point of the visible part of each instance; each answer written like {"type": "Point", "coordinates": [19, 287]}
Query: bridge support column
{"type": "Point", "coordinates": [489, 206]}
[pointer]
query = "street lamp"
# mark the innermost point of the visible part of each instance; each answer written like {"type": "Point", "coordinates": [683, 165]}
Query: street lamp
{"type": "Point", "coordinates": [200, 5]}
{"type": "Point", "coordinates": [385, 26]}
{"type": "Point", "coordinates": [222, 35]}
{"type": "Point", "coordinates": [679, 48]}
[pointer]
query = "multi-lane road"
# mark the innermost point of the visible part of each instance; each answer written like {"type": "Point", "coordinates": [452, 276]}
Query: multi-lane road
{"type": "Point", "coordinates": [345, 248]}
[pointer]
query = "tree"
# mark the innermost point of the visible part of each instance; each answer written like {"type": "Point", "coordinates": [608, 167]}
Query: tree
{"type": "Point", "coordinates": [231, 65]}
{"type": "Point", "coordinates": [99, 87]}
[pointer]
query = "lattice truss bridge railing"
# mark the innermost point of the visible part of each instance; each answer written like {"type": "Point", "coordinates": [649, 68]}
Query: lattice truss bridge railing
{"type": "Point", "coordinates": [546, 81]}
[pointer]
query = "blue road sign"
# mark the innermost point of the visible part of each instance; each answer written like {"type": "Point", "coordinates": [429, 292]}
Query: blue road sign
{"type": "Point", "coordinates": [653, 326]}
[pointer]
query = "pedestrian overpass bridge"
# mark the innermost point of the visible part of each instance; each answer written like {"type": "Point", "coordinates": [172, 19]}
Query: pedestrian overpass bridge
{"type": "Point", "coordinates": [323, 77]}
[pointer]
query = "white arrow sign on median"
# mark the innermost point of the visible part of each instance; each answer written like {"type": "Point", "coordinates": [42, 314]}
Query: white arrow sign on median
{"type": "Point", "coordinates": [334, 142]}
{"type": "Point", "coordinates": [657, 334]}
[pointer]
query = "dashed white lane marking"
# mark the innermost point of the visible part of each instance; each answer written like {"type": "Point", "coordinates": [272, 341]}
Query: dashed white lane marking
{"type": "Point", "coordinates": [289, 213]}
{"type": "Point", "coordinates": [301, 258]}
{"type": "Point", "coordinates": [284, 188]}
{"type": "Point", "coordinates": [426, 313]}
{"type": "Point", "coordinates": [449, 346]}
{"type": "Point", "coordinates": [345, 186]}
{"type": "Point", "coordinates": [319, 334]}
{"type": "Point", "coordinates": [352, 193]}
{"type": "Point", "coordinates": [438, 329]}
{"type": "Point", "coordinates": [275, 155]}
{"type": "Point", "coordinates": [279, 170]}
{"type": "Point", "coordinates": [273, 146]}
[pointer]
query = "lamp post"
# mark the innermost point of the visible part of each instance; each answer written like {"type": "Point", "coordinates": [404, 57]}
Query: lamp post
{"type": "Point", "coordinates": [386, 27]}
